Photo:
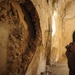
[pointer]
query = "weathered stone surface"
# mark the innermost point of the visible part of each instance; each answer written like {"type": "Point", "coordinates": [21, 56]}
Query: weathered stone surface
{"type": "Point", "coordinates": [30, 41]}
{"type": "Point", "coordinates": [23, 38]}
{"type": "Point", "coordinates": [4, 33]}
{"type": "Point", "coordinates": [68, 24]}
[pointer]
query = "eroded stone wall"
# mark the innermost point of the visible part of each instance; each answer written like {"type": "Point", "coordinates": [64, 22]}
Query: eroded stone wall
{"type": "Point", "coordinates": [26, 37]}
{"type": "Point", "coordinates": [58, 26]}
{"type": "Point", "coordinates": [68, 24]}
{"type": "Point", "coordinates": [21, 44]}
{"type": "Point", "coordinates": [42, 8]}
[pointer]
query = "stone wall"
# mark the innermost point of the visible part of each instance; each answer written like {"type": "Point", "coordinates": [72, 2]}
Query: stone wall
{"type": "Point", "coordinates": [57, 45]}
{"type": "Point", "coordinates": [26, 38]}
{"type": "Point", "coordinates": [42, 8]}
{"type": "Point", "coordinates": [68, 24]}
{"type": "Point", "coordinates": [29, 39]}
{"type": "Point", "coordinates": [4, 32]}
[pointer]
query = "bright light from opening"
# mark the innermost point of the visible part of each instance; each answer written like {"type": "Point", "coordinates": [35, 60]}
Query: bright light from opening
{"type": "Point", "coordinates": [53, 23]}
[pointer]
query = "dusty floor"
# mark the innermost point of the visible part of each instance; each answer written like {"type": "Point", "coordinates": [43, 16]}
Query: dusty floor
{"type": "Point", "coordinates": [59, 68]}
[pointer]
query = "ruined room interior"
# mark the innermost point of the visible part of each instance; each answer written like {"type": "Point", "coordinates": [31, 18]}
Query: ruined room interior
{"type": "Point", "coordinates": [33, 36]}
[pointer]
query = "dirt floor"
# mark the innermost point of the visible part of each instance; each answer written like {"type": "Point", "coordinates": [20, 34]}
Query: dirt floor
{"type": "Point", "coordinates": [59, 68]}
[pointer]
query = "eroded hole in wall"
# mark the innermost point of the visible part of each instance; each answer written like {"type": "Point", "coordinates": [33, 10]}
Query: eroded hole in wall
{"type": "Point", "coordinates": [34, 16]}
{"type": "Point", "coordinates": [28, 19]}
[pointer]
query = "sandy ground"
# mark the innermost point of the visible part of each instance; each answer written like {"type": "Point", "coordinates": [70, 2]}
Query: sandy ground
{"type": "Point", "coordinates": [59, 69]}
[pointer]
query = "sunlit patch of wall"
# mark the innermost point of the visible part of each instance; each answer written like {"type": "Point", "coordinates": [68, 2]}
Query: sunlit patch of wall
{"type": "Point", "coordinates": [53, 23]}
{"type": "Point", "coordinates": [55, 38]}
